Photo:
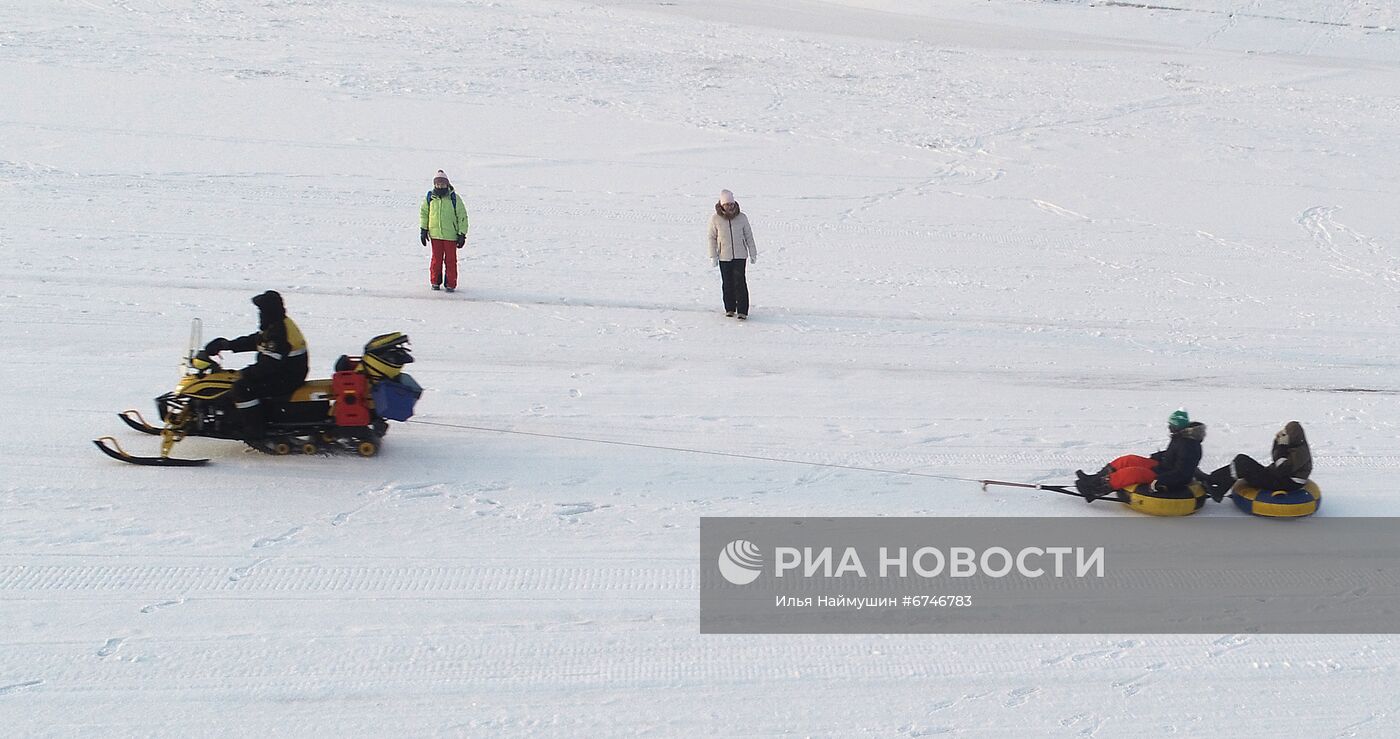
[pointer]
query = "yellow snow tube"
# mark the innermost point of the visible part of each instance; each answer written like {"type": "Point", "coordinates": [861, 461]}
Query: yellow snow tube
{"type": "Point", "coordinates": [1143, 499]}
{"type": "Point", "coordinates": [1277, 503]}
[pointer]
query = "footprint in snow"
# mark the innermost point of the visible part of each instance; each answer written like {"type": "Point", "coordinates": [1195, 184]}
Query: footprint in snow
{"type": "Point", "coordinates": [244, 571]}
{"type": "Point", "coordinates": [111, 647]}
{"type": "Point", "coordinates": [1228, 643]}
{"type": "Point", "coordinates": [577, 509]}
{"type": "Point", "coordinates": [17, 687]}
{"type": "Point", "coordinates": [917, 731]}
{"type": "Point", "coordinates": [1020, 696]}
{"type": "Point", "coordinates": [269, 541]}
{"type": "Point", "coordinates": [152, 608]}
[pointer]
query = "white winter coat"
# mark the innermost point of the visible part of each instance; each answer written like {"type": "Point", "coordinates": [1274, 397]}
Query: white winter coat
{"type": "Point", "coordinates": [731, 238]}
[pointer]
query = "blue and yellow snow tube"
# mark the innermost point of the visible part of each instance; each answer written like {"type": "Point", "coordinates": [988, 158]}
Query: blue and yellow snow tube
{"type": "Point", "coordinates": [1143, 499]}
{"type": "Point", "coordinates": [1277, 503]}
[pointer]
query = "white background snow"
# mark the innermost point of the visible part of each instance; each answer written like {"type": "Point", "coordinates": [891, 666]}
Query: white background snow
{"type": "Point", "coordinates": [997, 238]}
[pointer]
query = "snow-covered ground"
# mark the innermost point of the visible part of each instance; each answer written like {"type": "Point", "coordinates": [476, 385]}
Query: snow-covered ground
{"type": "Point", "coordinates": [998, 238]}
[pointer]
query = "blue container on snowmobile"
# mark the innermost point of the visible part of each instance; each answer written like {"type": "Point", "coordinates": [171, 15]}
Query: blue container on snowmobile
{"type": "Point", "coordinates": [394, 399]}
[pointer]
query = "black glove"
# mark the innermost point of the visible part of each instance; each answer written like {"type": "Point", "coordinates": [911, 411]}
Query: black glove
{"type": "Point", "coordinates": [423, 236]}
{"type": "Point", "coordinates": [461, 240]}
{"type": "Point", "coordinates": [217, 345]}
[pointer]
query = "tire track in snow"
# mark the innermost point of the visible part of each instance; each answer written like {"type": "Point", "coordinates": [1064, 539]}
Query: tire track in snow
{"type": "Point", "coordinates": [503, 657]}
{"type": "Point", "coordinates": [1232, 14]}
{"type": "Point", "coordinates": [454, 580]}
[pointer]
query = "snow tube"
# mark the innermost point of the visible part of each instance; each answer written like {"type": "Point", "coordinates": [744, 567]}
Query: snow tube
{"type": "Point", "coordinates": [1143, 499]}
{"type": "Point", "coordinates": [1277, 503]}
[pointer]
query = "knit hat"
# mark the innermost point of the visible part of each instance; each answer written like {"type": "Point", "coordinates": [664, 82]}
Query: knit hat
{"type": "Point", "coordinates": [440, 176]}
{"type": "Point", "coordinates": [725, 197]}
{"type": "Point", "coordinates": [1179, 419]}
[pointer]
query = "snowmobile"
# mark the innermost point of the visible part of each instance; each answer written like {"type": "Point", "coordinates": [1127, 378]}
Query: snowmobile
{"type": "Point", "coordinates": [349, 411]}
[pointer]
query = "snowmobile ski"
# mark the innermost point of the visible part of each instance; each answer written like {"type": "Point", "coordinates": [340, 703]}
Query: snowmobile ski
{"type": "Point", "coordinates": [133, 418]}
{"type": "Point", "coordinates": [111, 448]}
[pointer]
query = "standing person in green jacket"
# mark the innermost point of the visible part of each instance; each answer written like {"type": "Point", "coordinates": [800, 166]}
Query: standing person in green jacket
{"type": "Point", "coordinates": [442, 219]}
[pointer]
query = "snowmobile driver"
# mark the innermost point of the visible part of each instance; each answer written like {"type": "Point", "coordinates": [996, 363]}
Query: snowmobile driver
{"type": "Point", "coordinates": [281, 366]}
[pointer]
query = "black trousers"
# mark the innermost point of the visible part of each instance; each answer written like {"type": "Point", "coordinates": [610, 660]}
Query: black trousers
{"type": "Point", "coordinates": [736, 287]}
{"type": "Point", "coordinates": [264, 381]}
{"type": "Point", "coordinates": [1259, 476]}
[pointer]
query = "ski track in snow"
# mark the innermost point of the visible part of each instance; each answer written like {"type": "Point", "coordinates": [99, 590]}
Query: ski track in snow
{"type": "Point", "coordinates": [997, 239]}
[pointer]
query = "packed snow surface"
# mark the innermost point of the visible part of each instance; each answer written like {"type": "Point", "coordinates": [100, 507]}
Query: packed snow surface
{"type": "Point", "coordinates": [997, 238]}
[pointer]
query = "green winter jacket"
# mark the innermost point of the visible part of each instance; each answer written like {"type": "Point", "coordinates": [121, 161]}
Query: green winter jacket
{"type": "Point", "coordinates": [443, 217]}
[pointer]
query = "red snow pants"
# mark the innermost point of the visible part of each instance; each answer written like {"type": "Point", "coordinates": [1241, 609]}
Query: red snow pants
{"type": "Point", "coordinates": [444, 255]}
{"type": "Point", "coordinates": [1130, 469]}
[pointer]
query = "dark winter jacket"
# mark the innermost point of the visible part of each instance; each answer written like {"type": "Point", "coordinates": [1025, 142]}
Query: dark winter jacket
{"type": "Point", "coordinates": [1176, 465]}
{"type": "Point", "coordinates": [1291, 455]}
{"type": "Point", "coordinates": [280, 346]}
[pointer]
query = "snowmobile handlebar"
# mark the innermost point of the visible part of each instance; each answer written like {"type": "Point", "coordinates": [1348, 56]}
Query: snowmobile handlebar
{"type": "Point", "coordinates": [203, 363]}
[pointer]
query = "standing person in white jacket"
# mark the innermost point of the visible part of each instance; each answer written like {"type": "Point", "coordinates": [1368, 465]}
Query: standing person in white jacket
{"type": "Point", "coordinates": [731, 242]}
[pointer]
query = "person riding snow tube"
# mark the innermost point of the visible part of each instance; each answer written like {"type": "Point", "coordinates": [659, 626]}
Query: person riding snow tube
{"type": "Point", "coordinates": [1279, 489]}
{"type": "Point", "coordinates": [281, 366]}
{"type": "Point", "coordinates": [1165, 475]}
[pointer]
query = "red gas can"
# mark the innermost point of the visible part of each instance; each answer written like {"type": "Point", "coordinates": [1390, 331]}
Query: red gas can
{"type": "Point", "coordinates": [350, 399]}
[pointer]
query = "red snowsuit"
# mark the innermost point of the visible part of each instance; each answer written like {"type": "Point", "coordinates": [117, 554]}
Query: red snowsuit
{"type": "Point", "coordinates": [1131, 469]}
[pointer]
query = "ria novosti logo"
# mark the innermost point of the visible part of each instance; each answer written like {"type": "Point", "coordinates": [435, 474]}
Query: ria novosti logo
{"type": "Point", "coordinates": [740, 562]}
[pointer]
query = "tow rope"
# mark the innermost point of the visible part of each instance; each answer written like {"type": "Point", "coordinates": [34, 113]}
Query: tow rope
{"type": "Point", "coordinates": [708, 452]}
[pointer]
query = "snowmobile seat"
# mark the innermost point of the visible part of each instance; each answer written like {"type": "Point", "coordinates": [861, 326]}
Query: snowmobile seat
{"type": "Point", "coordinates": [309, 403]}
{"type": "Point", "coordinates": [311, 390]}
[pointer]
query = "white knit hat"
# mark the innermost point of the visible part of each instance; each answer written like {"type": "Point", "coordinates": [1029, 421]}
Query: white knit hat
{"type": "Point", "coordinates": [440, 175]}
{"type": "Point", "coordinates": [725, 197]}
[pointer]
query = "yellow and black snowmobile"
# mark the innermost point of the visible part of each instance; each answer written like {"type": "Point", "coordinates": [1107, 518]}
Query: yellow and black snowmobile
{"type": "Point", "coordinates": [351, 410]}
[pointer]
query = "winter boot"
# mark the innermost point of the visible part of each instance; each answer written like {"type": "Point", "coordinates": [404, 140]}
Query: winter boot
{"type": "Point", "coordinates": [1092, 487]}
{"type": "Point", "coordinates": [437, 287]}
{"type": "Point", "coordinates": [450, 289]}
{"type": "Point", "coordinates": [253, 427]}
{"type": "Point", "coordinates": [1218, 483]}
